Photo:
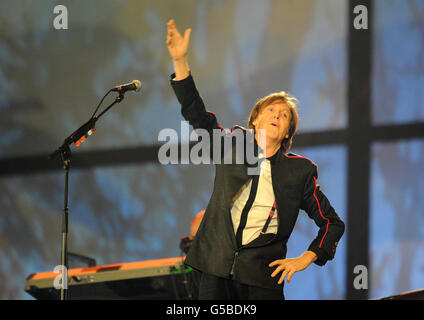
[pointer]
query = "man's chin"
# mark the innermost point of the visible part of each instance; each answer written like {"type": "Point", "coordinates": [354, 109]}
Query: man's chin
{"type": "Point", "coordinates": [273, 138]}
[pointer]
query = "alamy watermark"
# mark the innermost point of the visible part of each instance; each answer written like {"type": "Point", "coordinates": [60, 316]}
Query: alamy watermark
{"type": "Point", "coordinates": [216, 146]}
{"type": "Point", "coordinates": [61, 280]}
{"type": "Point", "coordinates": [360, 282]}
{"type": "Point", "coordinates": [361, 19]}
{"type": "Point", "coordinates": [61, 20]}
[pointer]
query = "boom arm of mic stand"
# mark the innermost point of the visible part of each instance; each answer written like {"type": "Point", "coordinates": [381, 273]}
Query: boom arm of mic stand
{"type": "Point", "coordinates": [77, 134]}
{"type": "Point", "coordinates": [118, 99]}
{"type": "Point", "coordinates": [74, 137]}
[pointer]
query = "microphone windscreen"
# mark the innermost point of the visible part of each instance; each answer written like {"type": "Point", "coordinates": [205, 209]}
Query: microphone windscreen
{"type": "Point", "coordinates": [137, 85]}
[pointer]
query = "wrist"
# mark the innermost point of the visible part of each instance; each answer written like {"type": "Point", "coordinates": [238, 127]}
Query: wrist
{"type": "Point", "coordinates": [182, 59]}
{"type": "Point", "coordinates": [181, 68]}
{"type": "Point", "coordinates": [310, 256]}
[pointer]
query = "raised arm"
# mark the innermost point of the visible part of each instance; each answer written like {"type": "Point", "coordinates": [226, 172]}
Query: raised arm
{"type": "Point", "coordinates": [182, 82]}
{"type": "Point", "coordinates": [178, 48]}
{"type": "Point", "coordinates": [192, 106]}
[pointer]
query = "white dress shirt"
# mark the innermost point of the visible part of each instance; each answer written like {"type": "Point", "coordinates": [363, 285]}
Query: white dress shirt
{"type": "Point", "coordinates": [261, 206]}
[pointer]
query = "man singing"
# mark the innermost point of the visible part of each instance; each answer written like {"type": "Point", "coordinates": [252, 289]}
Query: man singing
{"type": "Point", "coordinates": [240, 247]}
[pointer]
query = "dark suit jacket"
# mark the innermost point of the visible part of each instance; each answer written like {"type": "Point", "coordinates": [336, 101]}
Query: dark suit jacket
{"type": "Point", "coordinates": [214, 249]}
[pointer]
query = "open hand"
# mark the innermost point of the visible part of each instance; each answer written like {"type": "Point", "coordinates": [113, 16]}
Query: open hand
{"type": "Point", "coordinates": [177, 44]}
{"type": "Point", "coordinates": [291, 266]}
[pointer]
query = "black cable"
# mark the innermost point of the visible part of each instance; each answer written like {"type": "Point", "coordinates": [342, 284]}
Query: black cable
{"type": "Point", "coordinates": [98, 106]}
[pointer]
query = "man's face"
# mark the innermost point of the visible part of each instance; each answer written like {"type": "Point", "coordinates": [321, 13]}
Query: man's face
{"type": "Point", "coordinates": [275, 119]}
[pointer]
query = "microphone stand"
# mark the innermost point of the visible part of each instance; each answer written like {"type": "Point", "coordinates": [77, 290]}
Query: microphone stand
{"type": "Point", "coordinates": [65, 151]}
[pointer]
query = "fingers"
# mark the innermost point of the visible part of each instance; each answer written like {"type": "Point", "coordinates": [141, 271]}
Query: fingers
{"type": "Point", "coordinates": [274, 263]}
{"type": "Point", "coordinates": [290, 275]}
{"type": "Point", "coordinates": [287, 273]}
{"type": "Point", "coordinates": [277, 271]}
{"type": "Point", "coordinates": [172, 34]}
{"type": "Point", "coordinates": [283, 276]}
{"type": "Point", "coordinates": [171, 31]}
{"type": "Point", "coordinates": [168, 38]}
{"type": "Point", "coordinates": [187, 34]}
{"type": "Point", "coordinates": [172, 27]}
{"type": "Point", "coordinates": [282, 265]}
{"type": "Point", "coordinates": [171, 24]}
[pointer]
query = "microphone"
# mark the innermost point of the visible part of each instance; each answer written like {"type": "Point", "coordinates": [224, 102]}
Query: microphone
{"type": "Point", "coordinates": [135, 85]}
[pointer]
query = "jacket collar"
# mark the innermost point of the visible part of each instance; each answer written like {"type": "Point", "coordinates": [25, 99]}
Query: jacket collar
{"type": "Point", "coordinates": [275, 159]}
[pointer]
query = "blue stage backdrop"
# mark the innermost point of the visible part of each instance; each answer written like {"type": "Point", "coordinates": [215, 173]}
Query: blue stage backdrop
{"type": "Point", "coordinates": [397, 205]}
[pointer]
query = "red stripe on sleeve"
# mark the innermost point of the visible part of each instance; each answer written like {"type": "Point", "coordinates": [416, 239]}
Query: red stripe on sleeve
{"type": "Point", "coordinates": [320, 212]}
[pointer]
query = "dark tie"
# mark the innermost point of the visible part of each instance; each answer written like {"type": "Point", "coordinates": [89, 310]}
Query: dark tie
{"type": "Point", "coordinates": [246, 209]}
